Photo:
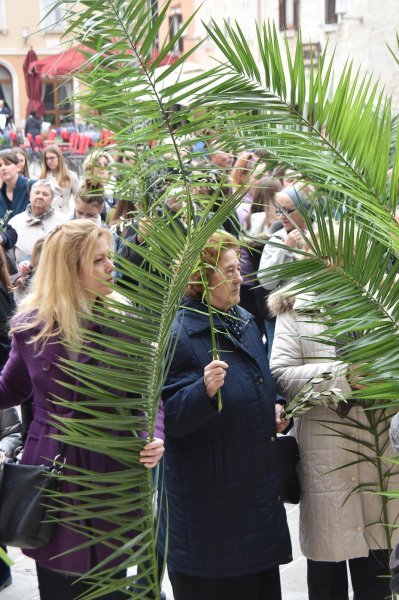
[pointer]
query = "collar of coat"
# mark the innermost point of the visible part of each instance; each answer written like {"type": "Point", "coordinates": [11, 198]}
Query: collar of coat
{"type": "Point", "coordinates": [283, 301]}
{"type": "Point", "coordinates": [198, 317]}
{"type": "Point", "coordinates": [32, 220]}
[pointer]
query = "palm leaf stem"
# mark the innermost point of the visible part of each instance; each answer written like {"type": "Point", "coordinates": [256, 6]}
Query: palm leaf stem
{"type": "Point", "coordinates": [373, 421]}
{"type": "Point", "coordinates": [207, 294]}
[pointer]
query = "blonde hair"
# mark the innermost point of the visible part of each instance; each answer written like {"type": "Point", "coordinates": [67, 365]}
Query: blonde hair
{"type": "Point", "coordinates": [22, 152]}
{"type": "Point", "coordinates": [56, 301]}
{"type": "Point", "coordinates": [61, 174]}
{"type": "Point", "coordinates": [210, 254]}
{"type": "Point", "coordinates": [4, 275]}
{"type": "Point", "coordinates": [243, 168]}
{"type": "Point", "coordinates": [266, 189]}
{"type": "Point", "coordinates": [91, 162]}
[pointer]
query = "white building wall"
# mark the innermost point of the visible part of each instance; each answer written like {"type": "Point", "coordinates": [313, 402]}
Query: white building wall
{"type": "Point", "coordinates": [363, 34]}
{"type": "Point", "coordinates": [245, 12]}
{"type": "Point", "coordinates": [360, 35]}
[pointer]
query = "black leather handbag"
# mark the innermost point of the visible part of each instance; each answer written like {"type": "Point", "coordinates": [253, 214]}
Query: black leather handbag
{"type": "Point", "coordinates": [289, 451]}
{"type": "Point", "coordinates": [27, 513]}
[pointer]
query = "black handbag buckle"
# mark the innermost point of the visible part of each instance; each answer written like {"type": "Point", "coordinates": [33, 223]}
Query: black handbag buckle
{"type": "Point", "coordinates": [58, 465]}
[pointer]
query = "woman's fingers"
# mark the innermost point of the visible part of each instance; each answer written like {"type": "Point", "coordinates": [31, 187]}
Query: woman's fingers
{"type": "Point", "coordinates": [152, 453]}
{"type": "Point", "coordinates": [214, 375]}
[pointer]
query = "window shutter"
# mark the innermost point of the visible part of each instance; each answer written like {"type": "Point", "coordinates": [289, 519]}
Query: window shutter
{"type": "Point", "coordinates": [175, 23]}
{"type": "Point", "coordinates": [288, 14]}
{"type": "Point", "coordinates": [54, 18]}
{"type": "Point", "coordinates": [331, 16]}
{"type": "Point", "coordinates": [281, 14]}
{"type": "Point", "coordinates": [2, 15]}
{"type": "Point", "coordinates": [296, 14]}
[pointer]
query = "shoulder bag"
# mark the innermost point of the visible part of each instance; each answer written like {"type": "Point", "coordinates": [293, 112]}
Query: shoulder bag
{"type": "Point", "coordinates": [27, 511]}
{"type": "Point", "coordinates": [289, 452]}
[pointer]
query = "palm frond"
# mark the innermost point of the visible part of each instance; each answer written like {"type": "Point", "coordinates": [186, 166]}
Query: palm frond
{"type": "Point", "coordinates": [340, 140]}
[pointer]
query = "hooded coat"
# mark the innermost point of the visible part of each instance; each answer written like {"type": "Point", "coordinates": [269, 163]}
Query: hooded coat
{"type": "Point", "coordinates": [222, 469]}
{"type": "Point", "coordinates": [339, 519]}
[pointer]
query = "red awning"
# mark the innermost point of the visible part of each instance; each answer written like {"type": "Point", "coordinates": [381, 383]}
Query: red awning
{"type": "Point", "coordinates": [69, 62]}
{"type": "Point", "coordinates": [61, 64]}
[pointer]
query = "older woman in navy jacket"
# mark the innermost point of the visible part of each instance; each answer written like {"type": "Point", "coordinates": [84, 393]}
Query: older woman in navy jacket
{"type": "Point", "coordinates": [228, 531]}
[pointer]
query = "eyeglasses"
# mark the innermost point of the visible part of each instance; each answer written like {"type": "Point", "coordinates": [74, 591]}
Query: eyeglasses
{"type": "Point", "coordinates": [285, 211]}
{"type": "Point", "coordinates": [51, 157]}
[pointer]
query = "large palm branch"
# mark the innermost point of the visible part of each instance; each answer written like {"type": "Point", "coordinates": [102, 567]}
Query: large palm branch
{"type": "Point", "coordinates": [339, 140]}
{"type": "Point", "coordinates": [120, 388]}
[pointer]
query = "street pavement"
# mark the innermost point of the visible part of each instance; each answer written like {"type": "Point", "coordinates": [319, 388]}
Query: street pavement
{"type": "Point", "coordinates": [293, 575]}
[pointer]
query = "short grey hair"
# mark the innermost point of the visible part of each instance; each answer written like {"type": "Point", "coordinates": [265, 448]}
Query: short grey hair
{"type": "Point", "coordinates": [44, 183]}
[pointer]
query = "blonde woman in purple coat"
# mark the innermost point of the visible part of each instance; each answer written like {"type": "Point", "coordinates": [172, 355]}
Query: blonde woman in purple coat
{"type": "Point", "coordinates": [74, 271]}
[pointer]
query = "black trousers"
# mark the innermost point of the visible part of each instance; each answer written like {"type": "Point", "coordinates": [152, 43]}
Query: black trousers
{"type": "Point", "coordinates": [54, 585]}
{"type": "Point", "coordinates": [369, 575]}
{"type": "Point", "coordinates": [5, 571]}
{"type": "Point", "coordinates": [258, 586]}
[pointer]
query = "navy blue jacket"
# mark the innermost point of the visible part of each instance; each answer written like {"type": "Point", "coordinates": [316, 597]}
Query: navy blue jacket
{"type": "Point", "coordinates": [20, 198]}
{"type": "Point", "coordinates": [222, 470]}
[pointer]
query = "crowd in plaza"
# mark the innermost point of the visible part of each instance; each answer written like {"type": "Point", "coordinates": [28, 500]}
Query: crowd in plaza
{"type": "Point", "coordinates": [226, 533]}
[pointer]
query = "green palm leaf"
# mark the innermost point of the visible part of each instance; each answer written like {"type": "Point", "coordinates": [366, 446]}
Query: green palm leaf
{"type": "Point", "coordinates": [342, 141]}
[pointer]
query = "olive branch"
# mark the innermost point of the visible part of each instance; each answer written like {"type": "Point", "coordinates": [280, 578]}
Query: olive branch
{"type": "Point", "coordinates": [307, 397]}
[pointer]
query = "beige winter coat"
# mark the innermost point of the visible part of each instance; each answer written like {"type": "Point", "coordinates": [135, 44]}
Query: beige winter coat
{"type": "Point", "coordinates": [338, 520]}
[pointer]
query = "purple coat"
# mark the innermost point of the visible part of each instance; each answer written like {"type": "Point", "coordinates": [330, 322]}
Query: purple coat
{"type": "Point", "coordinates": [27, 373]}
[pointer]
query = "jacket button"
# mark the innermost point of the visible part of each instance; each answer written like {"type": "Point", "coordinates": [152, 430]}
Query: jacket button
{"type": "Point", "coordinates": [360, 529]}
{"type": "Point", "coordinates": [353, 479]}
{"type": "Point", "coordinates": [279, 498]}
{"type": "Point", "coordinates": [272, 439]}
{"type": "Point", "coordinates": [45, 366]}
{"type": "Point", "coordinates": [261, 380]}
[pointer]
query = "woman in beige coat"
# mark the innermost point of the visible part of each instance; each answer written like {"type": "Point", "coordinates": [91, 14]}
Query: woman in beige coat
{"type": "Point", "coordinates": [339, 520]}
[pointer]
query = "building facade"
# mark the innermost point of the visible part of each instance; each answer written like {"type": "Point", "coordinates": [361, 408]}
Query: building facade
{"type": "Point", "coordinates": [358, 30]}
{"type": "Point", "coordinates": [355, 29]}
{"type": "Point", "coordinates": [22, 24]}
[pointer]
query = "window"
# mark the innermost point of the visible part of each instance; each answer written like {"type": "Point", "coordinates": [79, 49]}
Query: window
{"type": "Point", "coordinates": [154, 13]}
{"type": "Point", "coordinates": [54, 18]}
{"type": "Point", "coordinates": [331, 15]}
{"type": "Point", "coordinates": [226, 12]}
{"type": "Point", "coordinates": [248, 23]}
{"type": "Point", "coordinates": [2, 16]}
{"type": "Point", "coordinates": [175, 22]}
{"type": "Point", "coordinates": [288, 14]}
{"type": "Point", "coordinates": [311, 54]}
{"type": "Point", "coordinates": [6, 88]}
{"type": "Point", "coordinates": [56, 95]}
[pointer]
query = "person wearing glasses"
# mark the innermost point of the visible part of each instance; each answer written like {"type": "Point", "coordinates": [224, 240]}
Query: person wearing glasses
{"type": "Point", "coordinates": [226, 525]}
{"type": "Point", "coordinates": [64, 182]}
{"type": "Point", "coordinates": [291, 205]}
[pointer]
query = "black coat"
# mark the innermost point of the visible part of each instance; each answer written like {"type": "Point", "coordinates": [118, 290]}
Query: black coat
{"type": "Point", "coordinates": [33, 126]}
{"type": "Point", "coordinates": [10, 425]}
{"type": "Point", "coordinates": [222, 470]}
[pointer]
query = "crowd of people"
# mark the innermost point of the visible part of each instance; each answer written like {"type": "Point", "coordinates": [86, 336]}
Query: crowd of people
{"type": "Point", "coordinates": [226, 530]}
